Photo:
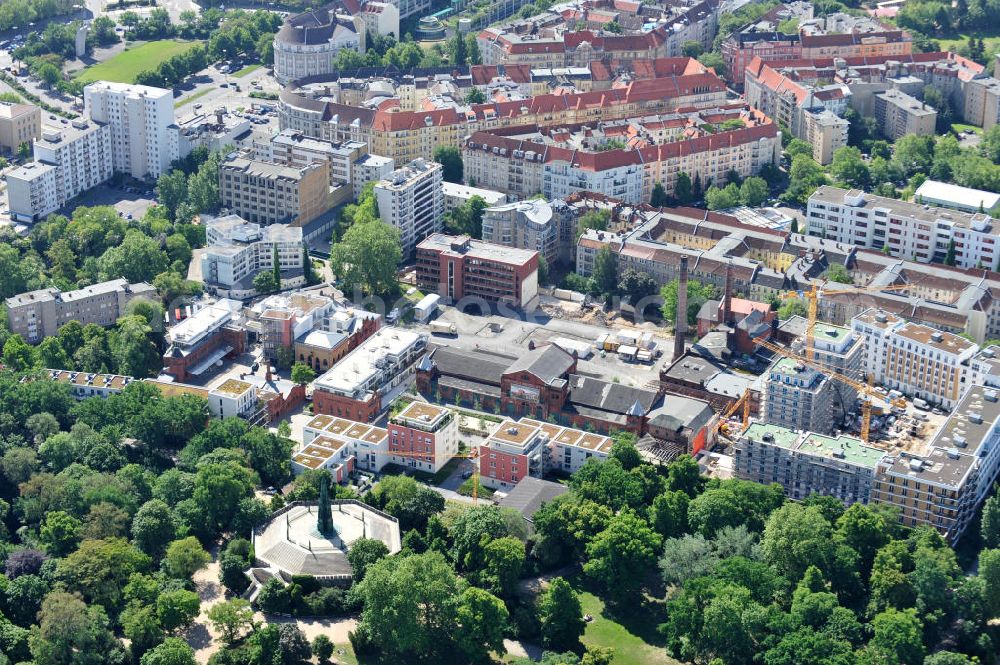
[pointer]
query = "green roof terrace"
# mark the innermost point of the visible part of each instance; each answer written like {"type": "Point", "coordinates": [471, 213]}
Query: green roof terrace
{"type": "Point", "coordinates": [779, 436]}
{"type": "Point", "coordinates": [843, 447]}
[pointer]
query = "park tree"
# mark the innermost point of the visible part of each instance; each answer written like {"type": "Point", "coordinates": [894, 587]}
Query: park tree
{"type": "Point", "coordinates": [367, 256]}
{"type": "Point", "coordinates": [364, 553]}
{"type": "Point", "coordinates": [177, 608]}
{"type": "Point", "coordinates": [754, 191]}
{"type": "Point", "coordinates": [100, 569]}
{"type": "Point", "coordinates": [898, 637]}
{"type": "Point", "coordinates": [668, 514]}
{"type": "Point", "coordinates": [173, 651]}
{"type": "Point", "coordinates": [450, 160]}
{"type": "Point", "coordinates": [619, 557]}
{"type": "Point", "coordinates": [849, 168]}
{"type": "Point", "coordinates": [142, 628]}
{"type": "Point", "coordinates": [70, 632]}
{"type": "Point", "coordinates": [683, 189]}
{"type": "Point", "coordinates": [503, 562]}
{"type": "Point", "coordinates": [659, 197]}
{"type": "Point", "coordinates": [404, 498]}
{"type": "Point", "coordinates": [60, 532]}
{"type": "Point", "coordinates": [184, 558]}
{"type": "Point", "coordinates": [231, 618]}
{"type": "Point", "coordinates": [561, 616]}
{"type": "Point", "coordinates": [303, 373]}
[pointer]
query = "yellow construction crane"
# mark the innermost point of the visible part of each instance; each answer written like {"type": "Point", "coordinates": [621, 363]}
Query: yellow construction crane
{"type": "Point", "coordinates": [864, 388]}
{"type": "Point", "coordinates": [812, 297]}
{"type": "Point", "coordinates": [473, 455]}
{"type": "Point", "coordinates": [744, 401]}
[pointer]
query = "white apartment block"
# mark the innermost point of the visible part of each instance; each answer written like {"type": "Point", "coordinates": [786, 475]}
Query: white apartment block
{"type": "Point", "coordinates": [371, 168]}
{"type": "Point", "coordinates": [145, 139]}
{"type": "Point", "coordinates": [368, 444]}
{"type": "Point", "coordinates": [411, 199]}
{"type": "Point", "coordinates": [237, 250]}
{"type": "Point", "coordinates": [910, 231]}
{"type": "Point", "coordinates": [80, 158]}
{"type": "Point", "coordinates": [32, 191]}
{"type": "Point", "coordinates": [917, 360]}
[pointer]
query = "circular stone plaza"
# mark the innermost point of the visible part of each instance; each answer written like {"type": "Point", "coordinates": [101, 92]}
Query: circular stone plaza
{"type": "Point", "coordinates": [290, 542]}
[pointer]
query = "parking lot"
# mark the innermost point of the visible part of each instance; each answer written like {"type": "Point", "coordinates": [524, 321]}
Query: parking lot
{"type": "Point", "coordinates": [133, 203]}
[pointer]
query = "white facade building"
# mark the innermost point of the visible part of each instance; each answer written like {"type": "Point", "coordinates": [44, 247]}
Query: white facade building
{"type": "Point", "coordinates": [237, 250]}
{"type": "Point", "coordinates": [915, 359]}
{"type": "Point", "coordinates": [307, 44]}
{"type": "Point", "coordinates": [70, 160]}
{"type": "Point", "coordinates": [909, 231]}
{"type": "Point", "coordinates": [411, 199]}
{"type": "Point", "coordinates": [456, 195]}
{"type": "Point", "coordinates": [145, 138]}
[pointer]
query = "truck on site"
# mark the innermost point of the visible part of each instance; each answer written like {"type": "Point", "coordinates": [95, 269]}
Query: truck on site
{"type": "Point", "coordinates": [443, 328]}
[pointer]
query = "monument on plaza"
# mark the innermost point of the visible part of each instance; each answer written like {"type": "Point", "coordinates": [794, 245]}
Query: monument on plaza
{"type": "Point", "coordinates": [325, 521]}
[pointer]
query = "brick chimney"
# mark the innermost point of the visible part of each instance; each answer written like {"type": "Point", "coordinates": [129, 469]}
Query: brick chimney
{"type": "Point", "coordinates": [680, 329]}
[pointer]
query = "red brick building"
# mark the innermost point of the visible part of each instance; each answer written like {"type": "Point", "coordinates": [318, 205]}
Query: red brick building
{"type": "Point", "coordinates": [202, 339]}
{"type": "Point", "coordinates": [423, 436]}
{"type": "Point", "coordinates": [458, 266]}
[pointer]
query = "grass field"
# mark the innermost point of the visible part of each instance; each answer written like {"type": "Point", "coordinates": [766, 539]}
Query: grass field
{"type": "Point", "coordinates": [191, 98]}
{"type": "Point", "coordinates": [958, 128]}
{"type": "Point", "coordinates": [636, 644]}
{"type": "Point", "coordinates": [246, 70]}
{"type": "Point", "coordinates": [124, 67]}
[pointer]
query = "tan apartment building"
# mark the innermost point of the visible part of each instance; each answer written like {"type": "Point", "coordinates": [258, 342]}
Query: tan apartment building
{"type": "Point", "coordinates": [899, 115]}
{"type": "Point", "coordinates": [408, 135]}
{"type": "Point", "coordinates": [19, 123]}
{"type": "Point", "coordinates": [265, 193]}
{"type": "Point", "coordinates": [826, 132]}
{"type": "Point", "coordinates": [35, 315]}
{"type": "Point", "coordinates": [915, 359]}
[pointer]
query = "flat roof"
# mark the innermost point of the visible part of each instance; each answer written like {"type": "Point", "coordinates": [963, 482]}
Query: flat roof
{"type": "Point", "coordinates": [364, 362]}
{"type": "Point", "coordinates": [347, 428]}
{"type": "Point", "coordinates": [966, 197]}
{"type": "Point", "coordinates": [846, 448]}
{"type": "Point", "coordinates": [517, 433]}
{"type": "Point", "coordinates": [938, 339]}
{"type": "Point", "coordinates": [925, 213]}
{"type": "Point", "coordinates": [466, 246]}
{"type": "Point", "coordinates": [423, 411]}
{"type": "Point", "coordinates": [233, 387]}
{"type": "Point", "coordinates": [491, 197]}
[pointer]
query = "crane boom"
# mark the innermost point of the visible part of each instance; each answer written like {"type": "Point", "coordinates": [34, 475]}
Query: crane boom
{"type": "Point", "coordinates": [864, 388]}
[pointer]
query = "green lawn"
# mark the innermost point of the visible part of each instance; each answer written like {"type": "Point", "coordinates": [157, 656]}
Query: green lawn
{"type": "Point", "coordinates": [959, 127]}
{"type": "Point", "coordinates": [191, 98]}
{"type": "Point", "coordinates": [631, 647]}
{"type": "Point", "coordinates": [246, 70]}
{"type": "Point", "coordinates": [124, 67]}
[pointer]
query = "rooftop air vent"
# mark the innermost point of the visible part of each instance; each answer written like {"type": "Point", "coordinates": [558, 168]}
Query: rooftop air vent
{"type": "Point", "coordinates": [916, 464]}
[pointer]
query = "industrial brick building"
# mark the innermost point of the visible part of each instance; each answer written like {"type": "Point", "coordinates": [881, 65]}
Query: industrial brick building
{"type": "Point", "coordinates": [459, 267]}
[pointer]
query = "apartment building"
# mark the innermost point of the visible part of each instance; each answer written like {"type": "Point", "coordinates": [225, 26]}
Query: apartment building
{"type": "Point", "coordinates": [293, 149]}
{"type": "Point", "coordinates": [459, 267]}
{"type": "Point", "coordinates": [33, 191]}
{"type": "Point", "coordinates": [899, 114]}
{"type": "Point", "coordinates": [915, 359]}
{"type": "Point", "coordinates": [539, 225]}
{"type": "Point", "coordinates": [825, 131]}
{"type": "Point", "coordinates": [380, 18]}
{"type": "Point", "coordinates": [423, 437]}
{"type": "Point", "coordinates": [370, 168]}
{"type": "Point", "coordinates": [237, 250]}
{"type": "Point", "coordinates": [69, 161]}
{"type": "Point", "coordinates": [144, 137]}
{"type": "Point", "coordinates": [369, 445]}
{"type": "Point", "coordinates": [838, 347]}
{"type": "Point", "coordinates": [806, 463]}
{"type": "Point", "coordinates": [364, 383]}
{"type": "Point", "coordinates": [407, 135]}
{"type": "Point", "coordinates": [307, 43]}
{"type": "Point", "coordinates": [524, 448]}
{"type": "Point", "coordinates": [905, 230]}
{"type": "Point", "coordinates": [265, 193]}
{"type": "Point", "coordinates": [944, 485]}
{"type": "Point", "coordinates": [35, 315]}
{"type": "Point", "coordinates": [559, 161]}
{"type": "Point", "coordinates": [19, 123]}
{"type": "Point", "coordinates": [798, 397]}
{"type": "Point", "coordinates": [411, 200]}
